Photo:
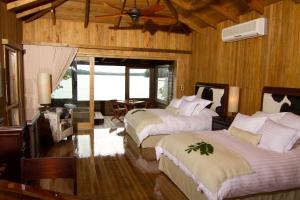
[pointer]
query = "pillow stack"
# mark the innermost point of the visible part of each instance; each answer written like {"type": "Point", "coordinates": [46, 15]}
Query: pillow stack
{"type": "Point", "coordinates": [188, 105]}
{"type": "Point", "coordinates": [276, 132]}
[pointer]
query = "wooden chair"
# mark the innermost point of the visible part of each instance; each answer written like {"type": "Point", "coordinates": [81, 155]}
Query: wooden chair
{"type": "Point", "coordinates": [49, 168]}
{"type": "Point", "coordinates": [3, 168]}
{"type": "Point", "coordinates": [148, 104]}
{"type": "Point", "coordinates": [118, 110]}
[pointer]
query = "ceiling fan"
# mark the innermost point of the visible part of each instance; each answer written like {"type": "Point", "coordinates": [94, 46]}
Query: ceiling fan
{"type": "Point", "coordinates": [152, 28]}
{"type": "Point", "coordinates": [136, 13]}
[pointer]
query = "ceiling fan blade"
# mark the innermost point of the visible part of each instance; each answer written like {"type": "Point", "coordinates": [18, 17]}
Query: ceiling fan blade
{"type": "Point", "coordinates": [112, 15]}
{"type": "Point", "coordinates": [157, 16]}
{"type": "Point", "coordinates": [136, 27]}
{"type": "Point", "coordinates": [152, 9]}
{"type": "Point", "coordinates": [111, 5]}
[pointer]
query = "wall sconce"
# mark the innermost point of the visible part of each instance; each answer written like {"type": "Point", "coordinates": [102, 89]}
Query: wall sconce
{"type": "Point", "coordinates": [44, 89]}
{"type": "Point", "coordinates": [233, 102]}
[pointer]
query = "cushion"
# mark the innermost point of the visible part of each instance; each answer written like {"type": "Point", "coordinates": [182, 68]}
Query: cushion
{"type": "Point", "coordinates": [290, 120]}
{"type": "Point", "coordinates": [217, 97]}
{"type": "Point", "coordinates": [200, 106]}
{"type": "Point", "coordinates": [277, 137]}
{"type": "Point", "coordinates": [247, 136]}
{"type": "Point", "coordinates": [187, 107]}
{"type": "Point", "coordinates": [175, 103]}
{"type": "Point", "coordinates": [173, 109]}
{"type": "Point", "coordinates": [189, 98]}
{"type": "Point", "coordinates": [206, 111]}
{"type": "Point", "coordinates": [248, 123]}
{"type": "Point", "coordinates": [273, 116]}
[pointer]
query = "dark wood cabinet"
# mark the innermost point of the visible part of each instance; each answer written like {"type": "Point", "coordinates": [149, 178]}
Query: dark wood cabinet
{"type": "Point", "coordinates": [220, 123]}
{"type": "Point", "coordinates": [13, 148]}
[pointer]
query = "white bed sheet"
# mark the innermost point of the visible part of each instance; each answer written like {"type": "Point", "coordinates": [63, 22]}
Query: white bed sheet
{"type": "Point", "coordinates": [174, 123]}
{"type": "Point", "coordinates": [273, 171]}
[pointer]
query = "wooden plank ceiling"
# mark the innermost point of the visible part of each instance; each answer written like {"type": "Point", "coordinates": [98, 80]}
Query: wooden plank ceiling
{"type": "Point", "coordinates": [195, 14]}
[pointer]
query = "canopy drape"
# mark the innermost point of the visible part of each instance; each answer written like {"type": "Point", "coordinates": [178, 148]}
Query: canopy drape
{"type": "Point", "coordinates": [43, 59]}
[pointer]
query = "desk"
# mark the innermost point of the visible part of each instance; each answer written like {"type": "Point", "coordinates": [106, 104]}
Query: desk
{"type": "Point", "coordinates": [130, 104]}
{"type": "Point", "coordinates": [15, 191]}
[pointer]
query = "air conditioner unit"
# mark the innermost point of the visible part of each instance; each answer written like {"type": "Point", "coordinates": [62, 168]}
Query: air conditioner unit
{"type": "Point", "coordinates": [250, 29]}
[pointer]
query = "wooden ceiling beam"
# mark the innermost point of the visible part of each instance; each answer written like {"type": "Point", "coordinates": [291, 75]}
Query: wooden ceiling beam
{"type": "Point", "coordinates": [205, 19]}
{"type": "Point", "coordinates": [255, 5]}
{"type": "Point", "coordinates": [53, 17]}
{"type": "Point", "coordinates": [37, 15]}
{"type": "Point", "coordinates": [117, 25]}
{"type": "Point", "coordinates": [223, 11]}
{"type": "Point", "coordinates": [189, 22]}
{"type": "Point", "coordinates": [33, 10]}
{"type": "Point", "coordinates": [172, 9]}
{"type": "Point", "coordinates": [191, 5]}
{"type": "Point", "coordinates": [19, 3]}
{"type": "Point", "coordinates": [87, 13]}
{"type": "Point", "coordinates": [55, 4]}
{"type": "Point", "coordinates": [185, 6]}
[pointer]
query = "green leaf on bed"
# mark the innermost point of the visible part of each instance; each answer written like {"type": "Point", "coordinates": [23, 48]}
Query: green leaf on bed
{"type": "Point", "coordinates": [138, 110]}
{"type": "Point", "coordinates": [203, 147]}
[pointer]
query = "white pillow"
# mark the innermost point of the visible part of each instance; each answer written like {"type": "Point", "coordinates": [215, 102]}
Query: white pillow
{"type": "Point", "coordinates": [248, 123]}
{"type": "Point", "coordinates": [173, 110]}
{"type": "Point", "coordinates": [187, 107]}
{"type": "Point", "coordinates": [273, 116]}
{"type": "Point", "coordinates": [277, 137]}
{"type": "Point", "coordinates": [207, 112]}
{"type": "Point", "coordinates": [290, 120]}
{"type": "Point", "coordinates": [175, 103]}
{"type": "Point", "coordinates": [202, 104]}
{"type": "Point", "coordinates": [189, 98]}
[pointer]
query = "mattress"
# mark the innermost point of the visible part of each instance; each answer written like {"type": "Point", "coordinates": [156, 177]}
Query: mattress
{"type": "Point", "coordinates": [273, 171]}
{"type": "Point", "coordinates": [171, 124]}
{"type": "Point", "coordinates": [189, 187]}
{"type": "Point", "coordinates": [149, 142]}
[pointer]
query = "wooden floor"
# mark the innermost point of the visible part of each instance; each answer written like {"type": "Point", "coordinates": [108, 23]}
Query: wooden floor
{"type": "Point", "coordinates": [110, 166]}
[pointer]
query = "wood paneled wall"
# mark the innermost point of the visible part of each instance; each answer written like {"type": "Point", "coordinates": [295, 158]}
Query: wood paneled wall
{"type": "Point", "coordinates": [10, 29]}
{"type": "Point", "coordinates": [73, 32]}
{"type": "Point", "coordinates": [271, 60]}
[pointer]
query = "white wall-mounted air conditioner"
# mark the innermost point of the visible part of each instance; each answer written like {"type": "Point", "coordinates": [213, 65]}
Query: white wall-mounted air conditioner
{"type": "Point", "coordinates": [250, 29]}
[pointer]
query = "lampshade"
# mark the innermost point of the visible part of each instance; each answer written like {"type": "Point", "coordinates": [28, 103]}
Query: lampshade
{"type": "Point", "coordinates": [234, 94]}
{"type": "Point", "coordinates": [44, 88]}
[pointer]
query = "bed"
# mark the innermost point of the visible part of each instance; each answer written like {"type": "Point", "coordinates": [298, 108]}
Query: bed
{"type": "Point", "coordinates": [171, 123]}
{"type": "Point", "coordinates": [278, 179]}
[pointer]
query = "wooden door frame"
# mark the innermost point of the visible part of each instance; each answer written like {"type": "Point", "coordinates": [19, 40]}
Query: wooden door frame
{"type": "Point", "coordinates": [19, 77]}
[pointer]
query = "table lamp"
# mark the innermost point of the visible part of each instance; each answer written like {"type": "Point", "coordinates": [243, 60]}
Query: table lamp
{"type": "Point", "coordinates": [233, 102]}
{"type": "Point", "coordinates": [44, 90]}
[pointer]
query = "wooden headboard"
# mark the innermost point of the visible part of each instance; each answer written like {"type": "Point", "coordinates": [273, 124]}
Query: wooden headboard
{"type": "Point", "coordinates": [218, 93]}
{"type": "Point", "coordinates": [279, 99]}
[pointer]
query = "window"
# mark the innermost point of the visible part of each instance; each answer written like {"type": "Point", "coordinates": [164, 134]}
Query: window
{"type": "Point", "coordinates": [162, 87]}
{"type": "Point", "coordinates": [109, 82]}
{"type": "Point", "coordinates": [139, 83]}
{"type": "Point", "coordinates": [64, 89]}
{"type": "Point", "coordinates": [115, 79]}
{"type": "Point", "coordinates": [83, 82]}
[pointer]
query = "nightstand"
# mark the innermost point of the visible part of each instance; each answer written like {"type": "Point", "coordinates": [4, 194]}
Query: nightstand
{"type": "Point", "coordinates": [220, 123]}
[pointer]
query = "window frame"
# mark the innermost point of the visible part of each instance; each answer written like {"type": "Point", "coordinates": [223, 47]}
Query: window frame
{"type": "Point", "coordinates": [156, 84]}
{"type": "Point", "coordinates": [152, 84]}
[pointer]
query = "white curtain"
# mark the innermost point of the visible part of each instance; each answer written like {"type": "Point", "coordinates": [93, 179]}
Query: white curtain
{"type": "Point", "coordinates": [48, 59]}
